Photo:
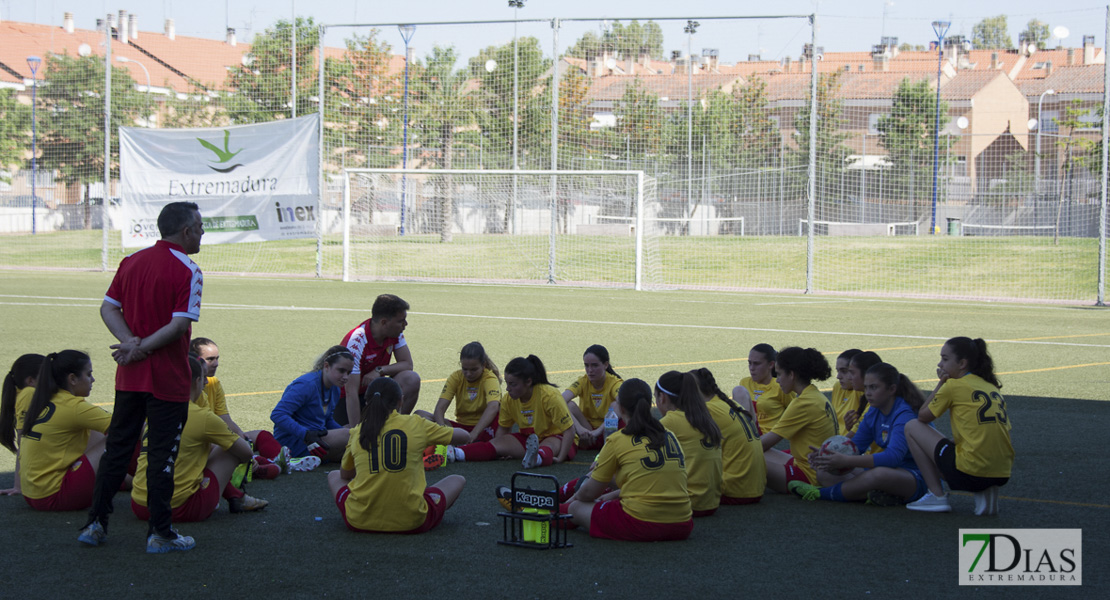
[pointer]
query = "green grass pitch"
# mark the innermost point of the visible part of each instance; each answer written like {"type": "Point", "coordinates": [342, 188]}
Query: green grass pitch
{"type": "Point", "coordinates": [1053, 362]}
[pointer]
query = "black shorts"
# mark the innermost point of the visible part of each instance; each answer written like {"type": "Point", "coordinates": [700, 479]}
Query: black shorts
{"type": "Point", "coordinates": [945, 457]}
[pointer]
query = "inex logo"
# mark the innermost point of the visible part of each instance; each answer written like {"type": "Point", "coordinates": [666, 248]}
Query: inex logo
{"type": "Point", "coordinates": [1021, 557]}
{"type": "Point", "coordinates": [225, 155]}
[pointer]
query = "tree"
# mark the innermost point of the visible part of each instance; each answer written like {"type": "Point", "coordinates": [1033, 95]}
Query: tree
{"type": "Point", "coordinates": [992, 34]}
{"type": "Point", "coordinates": [1036, 32]}
{"type": "Point", "coordinates": [446, 104]}
{"type": "Point", "coordinates": [1076, 151]}
{"type": "Point", "coordinates": [831, 151]}
{"type": "Point", "coordinates": [622, 41]}
{"type": "Point", "coordinates": [533, 115]}
{"type": "Point", "coordinates": [15, 123]}
{"type": "Point", "coordinates": [264, 81]}
{"type": "Point", "coordinates": [640, 120]}
{"type": "Point", "coordinates": [365, 102]}
{"type": "Point", "coordinates": [908, 134]}
{"type": "Point", "coordinates": [71, 128]}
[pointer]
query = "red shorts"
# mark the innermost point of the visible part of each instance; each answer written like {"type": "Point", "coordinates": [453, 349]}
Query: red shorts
{"type": "Point", "coordinates": [76, 492]}
{"type": "Point", "coordinates": [198, 507]}
{"type": "Point", "coordinates": [433, 497]}
{"type": "Point", "coordinates": [485, 436]}
{"type": "Point", "coordinates": [794, 473]}
{"type": "Point", "coordinates": [609, 521]}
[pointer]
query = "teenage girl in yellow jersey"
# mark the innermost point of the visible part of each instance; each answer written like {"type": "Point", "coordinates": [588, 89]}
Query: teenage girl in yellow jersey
{"type": "Point", "coordinates": [476, 391]}
{"type": "Point", "coordinates": [844, 398]}
{"type": "Point", "coordinates": [857, 368]}
{"type": "Point", "coordinates": [595, 391]}
{"type": "Point", "coordinates": [18, 387]}
{"type": "Point", "coordinates": [979, 457]}
{"type": "Point", "coordinates": [208, 456]}
{"type": "Point", "coordinates": [545, 429]}
{"type": "Point", "coordinates": [62, 436]}
{"type": "Point", "coordinates": [380, 485]}
{"type": "Point", "coordinates": [760, 394]}
{"type": "Point", "coordinates": [272, 459]}
{"type": "Point", "coordinates": [645, 463]}
{"type": "Point", "coordinates": [685, 414]}
{"type": "Point", "coordinates": [809, 420]}
{"type": "Point", "coordinates": [745, 471]}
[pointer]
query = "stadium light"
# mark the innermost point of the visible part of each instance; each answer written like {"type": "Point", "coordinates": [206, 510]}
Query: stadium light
{"type": "Point", "coordinates": [1037, 154]}
{"type": "Point", "coordinates": [33, 62]}
{"type": "Point", "coordinates": [124, 59]}
{"type": "Point", "coordinates": [941, 29]}
{"type": "Point", "coordinates": [690, 29]}
{"type": "Point", "coordinates": [406, 34]}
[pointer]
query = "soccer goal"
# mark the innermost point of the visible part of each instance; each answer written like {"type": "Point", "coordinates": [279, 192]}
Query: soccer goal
{"type": "Point", "coordinates": [837, 228]}
{"type": "Point", "coordinates": [495, 226]}
{"type": "Point", "coordinates": [972, 230]}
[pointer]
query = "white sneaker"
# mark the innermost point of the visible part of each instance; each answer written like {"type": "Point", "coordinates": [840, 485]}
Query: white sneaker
{"type": "Point", "coordinates": [451, 454]}
{"type": "Point", "coordinates": [931, 503]}
{"type": "Point", "coordinates": [157, 544]}
{"type": "Point", "coordinates": [304, 463]}
{"type": "Point", "coordinates": [282, 460]}
{"type": "Point", "coordinates": [986, 502]}
{"type": "Point", "coordinates": [532, 452]}
{"type": "Point", "coordinates": [93, 534]}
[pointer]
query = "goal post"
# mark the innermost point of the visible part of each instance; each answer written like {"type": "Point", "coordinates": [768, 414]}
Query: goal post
{"type": "Point", "coordinates": [493, 225]}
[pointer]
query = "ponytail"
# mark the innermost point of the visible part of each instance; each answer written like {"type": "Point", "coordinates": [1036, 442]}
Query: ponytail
{"type": "Point", "coordinates": [24, 367]}
{"type": "Point", "coordinates": [690, 402]}
{"type": "Point", "coordinates": [56, 368]}
{"type": "Point", "coordinates": [707, 385]}
{"type": "Point", "coordinates": [475, 351]}
{"type": "Point", "coordinates": [602, 354]}
{"type": "Point", "coordinates": [634, 398]}
{"type": "Point", "coordinates": [979, 361]}
{"type": "Point", "coordinates": [382, 398]}
{"type": "Point", "coordinates": [528, 368]}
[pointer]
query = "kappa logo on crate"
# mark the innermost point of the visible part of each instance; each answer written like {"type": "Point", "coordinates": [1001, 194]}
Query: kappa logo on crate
{"type": "Point", "coordinates": [1021, 557]}
{"type": "Point", "coordinates": [527, 499]}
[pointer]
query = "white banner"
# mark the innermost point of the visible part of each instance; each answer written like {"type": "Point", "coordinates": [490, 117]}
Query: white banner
{"type": "Point", "coordinates": [252, 182]}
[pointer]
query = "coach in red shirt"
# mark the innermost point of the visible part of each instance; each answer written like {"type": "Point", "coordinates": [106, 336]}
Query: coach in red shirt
{"type": "Point", "coordinates": [150, 307]}
{"type": "Point", "coordinates": [374, 343]}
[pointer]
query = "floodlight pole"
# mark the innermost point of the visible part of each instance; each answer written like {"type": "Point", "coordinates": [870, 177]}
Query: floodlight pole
{"type": "Point", "coordinates": [941, 29]}
{"type": "Point", "coordinates": [1037, 154]}
{"type": "Point", "coordinates": [690, 29]}
{"type": "Point", "coordinates": [406, 34]}
{"type": "Point", "coordinates": [33, 62]}
{"type": "Point", "coordinates": [124, 59]}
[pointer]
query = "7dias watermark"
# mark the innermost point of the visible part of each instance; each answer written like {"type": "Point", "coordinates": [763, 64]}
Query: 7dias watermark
{"type": "Point", "coordinates": [1021, 557]}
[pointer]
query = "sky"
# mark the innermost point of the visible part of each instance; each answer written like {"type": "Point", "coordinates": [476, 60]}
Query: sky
{"type": "Point", "coordinates": [843, 25]}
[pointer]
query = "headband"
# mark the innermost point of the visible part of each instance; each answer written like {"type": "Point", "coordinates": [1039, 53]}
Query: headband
{"type": "Point", "coordinates": [660, 387]}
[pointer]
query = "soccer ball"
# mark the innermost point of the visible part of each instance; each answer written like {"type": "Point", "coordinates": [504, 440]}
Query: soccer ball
{"type": "Point", "coordinates": [839, 444]}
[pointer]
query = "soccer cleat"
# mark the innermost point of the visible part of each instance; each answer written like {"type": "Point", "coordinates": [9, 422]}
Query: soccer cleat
{"type": "Point", "coordinates": [304, 463]}
{"type": "Point", "coordinates": [158, 544]}
{"type": "Point", "coordinates": [246, 503]}
{"type": "Point", "coordinates": [432, 459]}
{"type": "Point", "coordinates": [881, 498]}
{"type": "Point", "coordinates": [804, 490]}
{"type": "Point", "coordinates": [531, 452]}
{"type": "Point", "coordinates": [505, 496]}
{"type": "Point", "coordinates": [93, 534]}
{"type": "Point", "coordinates": [986, 502]}
{"type": "Point", "coordinates": [282, 460]}
{"type": "Point", "coordinates": [930, 503]}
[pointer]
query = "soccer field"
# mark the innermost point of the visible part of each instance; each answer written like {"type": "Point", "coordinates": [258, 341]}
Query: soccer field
{"type": "Point", "coordinates": [1052, 361]}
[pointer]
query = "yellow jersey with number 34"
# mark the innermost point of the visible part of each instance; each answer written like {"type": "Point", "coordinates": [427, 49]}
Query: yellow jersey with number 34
{"type": "Point", "coordinates": [652, 481]}
{"type": "Point", "coordinates": [980, 425]}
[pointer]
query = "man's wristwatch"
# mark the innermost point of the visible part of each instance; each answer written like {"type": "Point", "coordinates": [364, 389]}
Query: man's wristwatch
{"type": "Point", "coordinates": [379, 370]}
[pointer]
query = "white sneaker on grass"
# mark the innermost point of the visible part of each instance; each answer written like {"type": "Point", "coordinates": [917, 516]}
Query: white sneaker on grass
{"type": "Point", "coordinates": [930, 503]}
{"type": "Point", "coordinates": [304, 463]}
{"type": "Point", "coordinates": [532, 456]}
{"type": "Point", "coordinates": [986, 502]}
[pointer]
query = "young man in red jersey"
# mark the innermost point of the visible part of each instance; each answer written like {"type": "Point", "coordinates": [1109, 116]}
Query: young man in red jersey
{"type": "Point", "coordinates": [374, 343]}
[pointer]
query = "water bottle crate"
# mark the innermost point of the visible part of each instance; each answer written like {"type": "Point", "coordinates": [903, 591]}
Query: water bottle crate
{"type": "Point", "coordinates": [534, 519]}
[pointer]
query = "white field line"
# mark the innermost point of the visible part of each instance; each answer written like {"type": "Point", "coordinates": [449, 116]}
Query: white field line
{"type": "Point", "coordinates": [219, 306]}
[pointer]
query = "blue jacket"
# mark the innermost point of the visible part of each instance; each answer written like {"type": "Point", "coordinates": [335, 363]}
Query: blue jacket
{"type": "Point", "coordinates": [888, 432]}
{"type": "Point", "coordinates": [306, 405]}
